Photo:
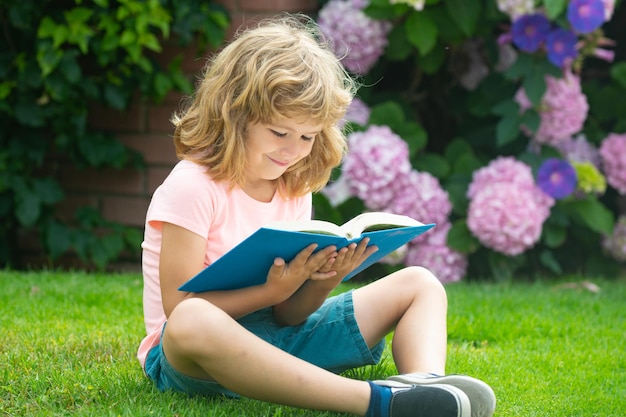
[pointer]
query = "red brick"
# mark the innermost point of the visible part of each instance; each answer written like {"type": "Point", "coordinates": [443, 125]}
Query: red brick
{"type": "Point", "coordinates": [130, 211]}
{"type": "Point", "coordinates": [155, 177]}
{"type": "Point", "coordinates": [193, 58]}
{"type": "Point", "coordinates": [127, 180]}
{"type": "Point", "coordinates": [159, 117]}
{"type": "Point", "coordinates": [111, 120]}
{"type": "Point", "coordinates": [156, 149]}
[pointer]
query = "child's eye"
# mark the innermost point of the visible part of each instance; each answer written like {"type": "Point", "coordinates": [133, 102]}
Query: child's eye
{"type": "Point", "coordinates": [307, 138]}
{"type": "Point", "coordinates": [280, 135]}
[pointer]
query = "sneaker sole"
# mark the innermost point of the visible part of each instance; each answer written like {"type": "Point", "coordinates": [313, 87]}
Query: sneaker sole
{"type": "Point", "coordinates": [481, 397]}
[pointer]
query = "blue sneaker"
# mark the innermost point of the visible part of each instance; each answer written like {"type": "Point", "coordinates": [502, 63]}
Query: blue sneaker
{"type": "Point", "coordinates": [481, 397]}
{"type": "Point", "coordinates": [433, 400]}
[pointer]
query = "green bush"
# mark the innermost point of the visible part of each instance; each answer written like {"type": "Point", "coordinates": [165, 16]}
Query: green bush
{"type": "Point", "coordinates": [57, 59]}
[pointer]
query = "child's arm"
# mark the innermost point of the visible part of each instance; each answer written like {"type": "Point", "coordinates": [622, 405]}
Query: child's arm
{"type": "Point", "coordinates": [182, 257]}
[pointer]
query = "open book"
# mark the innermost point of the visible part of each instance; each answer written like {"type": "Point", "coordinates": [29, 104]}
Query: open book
{"type": "Point", "coordinates": [248, 263]}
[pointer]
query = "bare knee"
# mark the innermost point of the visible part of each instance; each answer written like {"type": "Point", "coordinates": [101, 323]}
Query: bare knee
{"type": "Point", "coordinates": [192, 326]}
{"type": "Point", "coordinates": [422, 283]}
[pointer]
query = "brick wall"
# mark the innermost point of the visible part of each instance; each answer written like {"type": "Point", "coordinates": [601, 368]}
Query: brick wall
{"type": "Point", "coordinates": [123, 195]}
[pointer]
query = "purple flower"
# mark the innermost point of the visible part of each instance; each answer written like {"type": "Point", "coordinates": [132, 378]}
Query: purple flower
{"type": "Point", "coordinates": [530, 31]}
{"type": "Point", "coordinates": [585, 16]}
{"type": "Point", "coordinates": [561, 46]}
{"type": "Point", "coordinates": [557, 178]}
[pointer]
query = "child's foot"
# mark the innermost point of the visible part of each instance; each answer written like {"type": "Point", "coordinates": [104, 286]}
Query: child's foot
{"type": "Point", "coordinates": [481, 396]}
{"type": "Point", "coordinates": [407, 400]}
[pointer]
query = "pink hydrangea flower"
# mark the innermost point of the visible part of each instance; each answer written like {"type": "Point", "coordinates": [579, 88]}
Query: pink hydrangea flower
{"type": "Point", "coordinates": [578, 149]}
{"type": "Point", "coordinates": [507, 209]}
{"type": "Point", "coordinates": [502, 169]}
{"type": "Point", "coordinates": [563, 109]}
{"type": "Point", "coordinates": [337, 191]}
{"type": "Point", "coordinates": [613, 156]}
{"type": "Point", "coordinates": [376, 159]}
{"type": "Point", "coordinates": [358, 112]}
{"type": "Point", "coordinates": [421, 197]}
{"type": "Point", "coordinates": [433, 253]}
{"type": "Point", "coordinates": [358, 40]}
{"type": "Point", "coordinates": [615, 244]}
{"type": "Point", "coordinates": [508, 218]}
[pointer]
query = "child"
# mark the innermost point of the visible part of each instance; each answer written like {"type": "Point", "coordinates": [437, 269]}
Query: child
{"type": "Point", "coordinates": [258, 138]}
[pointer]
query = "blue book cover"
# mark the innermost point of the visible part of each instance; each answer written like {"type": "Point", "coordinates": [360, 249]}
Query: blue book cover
{"type": "Point", "coordinates": [248, 263]}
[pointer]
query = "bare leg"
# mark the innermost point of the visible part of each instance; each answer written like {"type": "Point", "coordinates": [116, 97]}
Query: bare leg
{"type": "Point", "coordinates": [413, 302]}
{"type": "Point", "coordinates": [202, 341]}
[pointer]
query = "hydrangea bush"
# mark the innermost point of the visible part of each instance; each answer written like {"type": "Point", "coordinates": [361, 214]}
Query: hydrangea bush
{"type": "Point", "coordinates": [503, 121]}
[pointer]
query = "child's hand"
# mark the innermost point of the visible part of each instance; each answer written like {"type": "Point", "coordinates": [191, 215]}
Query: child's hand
{"type": "Point", "coordinates": [346, 261]}
{"type": "Point", "coordinates": [285, 278]}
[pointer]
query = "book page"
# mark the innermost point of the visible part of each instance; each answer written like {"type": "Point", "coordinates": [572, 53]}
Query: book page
{"type": "Point", "coordinates": [376, 220]}
{"type": "Point", "coordinates": [310, 226]}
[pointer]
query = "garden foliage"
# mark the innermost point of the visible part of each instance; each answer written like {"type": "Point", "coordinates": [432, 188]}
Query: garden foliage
{"type": "Point", "coordinates": [58, 59]}
{"type": "Point", "coordinates": [502, 121]}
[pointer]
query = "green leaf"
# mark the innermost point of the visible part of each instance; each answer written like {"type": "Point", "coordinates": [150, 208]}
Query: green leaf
{"type": "Point", "coordinates": [465, 14]}
{"type": "Point", "coordinates": [553, 235]}
{"type": "Point", "coordinates": [554, 8]}
{"type": "Point", "coordinates": [548, 260]}
{"type": "Point", "coordinates": [58, 239]}
{"type": "Point", "coordinates": [27, 206]}
{"type": "Point", "coordinates": [162, 85]}
{"type": "Point", "coordinates": [48, 190]}
{"type": "Point", "coordinates": [399, 47]}
{"type": "Point", "coordinates": [507, 130]}
{"type": "Point", "coordinates": [506, 108]}
{"type": "Point", "coordinates": [421, 32]}
{"type": "Point", "coordinates": [461, 239]}
{"type": "Point", "coordinates": [618, 73]}
{"type": "Point", "coordinates": [434, 164]}
{"type": "Point", "coordinates": [5, 88]}
{"type": "Point", "coordinates": [531, 120]}
{"type": "Point", "coordinates": [433, 60]}
{"type": "Point", "coordinates": [48, 59]}
{"type": "Point", "coordinates": [503, 267]}
{"type": "Point", "coordinates": [388, 113]}
{"type": "Point", "coordinates": [523, 65]}
{"type": "Point", "coordinates": [414, 135]}
{"type": "Point", "coordinates": [534, 85]}
{"type": "Point", "coordinates": [592, 213]}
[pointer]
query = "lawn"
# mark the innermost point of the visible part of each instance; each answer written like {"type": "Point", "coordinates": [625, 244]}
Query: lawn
{"type": "Point", "coordinates": [68, 341]}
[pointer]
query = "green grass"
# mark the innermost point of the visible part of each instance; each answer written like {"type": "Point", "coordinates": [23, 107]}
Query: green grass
{"type": "Point", "coordinates": [68, 341]}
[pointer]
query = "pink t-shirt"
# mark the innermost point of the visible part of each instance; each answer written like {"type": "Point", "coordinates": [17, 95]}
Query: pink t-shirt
{"type": "Point", "coordinates": [189, 198]}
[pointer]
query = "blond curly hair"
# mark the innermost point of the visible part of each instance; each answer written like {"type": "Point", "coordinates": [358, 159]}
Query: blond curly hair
{"type": "Point", "coordinates": [282, 67]}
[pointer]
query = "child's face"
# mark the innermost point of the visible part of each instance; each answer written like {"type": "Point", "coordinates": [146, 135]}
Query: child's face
{"type": "Point", "coordinates": [274, 147]}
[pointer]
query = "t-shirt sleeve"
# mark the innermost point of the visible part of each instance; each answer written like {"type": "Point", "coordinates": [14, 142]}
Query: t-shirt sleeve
{"type": "Point", "coordinates": [185, 199]}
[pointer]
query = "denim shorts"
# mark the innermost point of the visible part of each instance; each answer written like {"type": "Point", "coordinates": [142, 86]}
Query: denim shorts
{"type": "Point", "coordinates": [330, 338]}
